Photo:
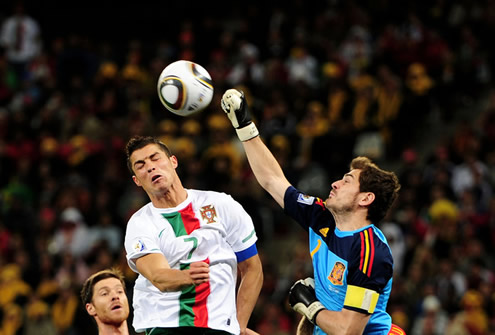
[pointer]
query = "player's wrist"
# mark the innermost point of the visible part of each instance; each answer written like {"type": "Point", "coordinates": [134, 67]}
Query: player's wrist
{"type": "Point", "coordinates": [314, 309]}
{"type": "Point", "coordinates": [247, 132]}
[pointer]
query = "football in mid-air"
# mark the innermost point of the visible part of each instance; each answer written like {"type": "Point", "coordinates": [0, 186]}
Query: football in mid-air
{"type": "Point", "coordinates": [185, 87]}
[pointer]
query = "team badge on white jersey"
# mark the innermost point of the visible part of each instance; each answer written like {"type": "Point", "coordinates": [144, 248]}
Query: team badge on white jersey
{"type": "Point", "coordinates": [208, 213]}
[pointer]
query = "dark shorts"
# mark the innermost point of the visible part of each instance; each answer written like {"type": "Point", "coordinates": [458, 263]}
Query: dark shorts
{"type": "Point", "coordinates": [185, 331]}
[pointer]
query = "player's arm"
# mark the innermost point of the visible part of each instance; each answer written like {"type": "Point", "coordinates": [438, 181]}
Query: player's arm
{"type": "Point", "coordinates": [303, 300]}
{"type": "Point", "coordinates": [266, 169]}
{"type": "Point", "coordinates": [342, 322]}
{"type": "Point", "coordinates": [249, 289]}
{"type": "Point", "coordinates": [264, 165]}
{"type": "Point", "coordinates": [156, 269]}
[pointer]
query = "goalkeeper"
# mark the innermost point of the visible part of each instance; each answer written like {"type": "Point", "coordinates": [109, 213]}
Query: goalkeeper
{"type": "Point", "coordinates": [352, 262]}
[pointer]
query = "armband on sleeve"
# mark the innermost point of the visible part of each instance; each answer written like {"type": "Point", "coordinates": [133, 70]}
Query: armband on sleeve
{"type": "Point", "coordinates": [361, 298]}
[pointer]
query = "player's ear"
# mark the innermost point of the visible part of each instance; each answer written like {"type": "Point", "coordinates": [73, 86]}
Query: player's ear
{"type": "Point", "coordinates": [136, 181]}
{"type": "Point", "coordinates": [367, 198]}
{"type": "Point", "coordinates": [175, 161]}
{"type": "Point", "coordinates": [90, 308]}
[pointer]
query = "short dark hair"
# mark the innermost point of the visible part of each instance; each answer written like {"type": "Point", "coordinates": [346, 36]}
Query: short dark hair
{"type": "Point", "coordinates": [138, 142]}
{"type": "Point", "coordinates": [89, 284]}
{"type": "Point", "coordinates": [384, 184]}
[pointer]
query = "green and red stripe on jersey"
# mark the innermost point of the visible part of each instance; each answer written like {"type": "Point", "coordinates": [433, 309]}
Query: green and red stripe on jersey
{"type": "Point", "coordinates": [183, 222]}
{"type": "Point", "coordinates": [193, 310]}
{"type": "Point", "coordinates": [192, 301]}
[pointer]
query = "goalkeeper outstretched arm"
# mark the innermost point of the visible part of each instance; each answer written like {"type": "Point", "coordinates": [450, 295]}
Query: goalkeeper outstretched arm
{"type": "Point", "coordinates": [263, 164]}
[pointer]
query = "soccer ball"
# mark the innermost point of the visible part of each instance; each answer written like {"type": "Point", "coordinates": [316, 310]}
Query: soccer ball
{"type": "Point", "coordinates": [185, 88]}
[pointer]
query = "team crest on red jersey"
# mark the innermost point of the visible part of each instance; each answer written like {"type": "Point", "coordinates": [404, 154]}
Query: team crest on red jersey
{"type": "Point", "coordinates": [337, 273]}
{"type": "Point", "coordinates": [208, 213]}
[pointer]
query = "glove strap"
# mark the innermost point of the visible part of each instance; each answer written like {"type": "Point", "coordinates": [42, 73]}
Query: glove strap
{"type": "Point", "coordinates": [314, 309]}
{"type": "Point", "coordinates": [248, 132]}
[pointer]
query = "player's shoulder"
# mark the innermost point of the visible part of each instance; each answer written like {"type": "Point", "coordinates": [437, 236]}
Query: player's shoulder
{"type": "Point", "coordinates": [372, 255]}
{"type": "Point", "coordinates": [380, 235]}
{"type": "Point", "coordinates": [382, 246]}
{"type": "Point", "coordinates": [210, 196]}
{"type": "Point", "coordinates": [141, 213]}
{"type": "Point", "coordinates": [371, 239]}
{"type": "Point", "coordinates": [303, 199]}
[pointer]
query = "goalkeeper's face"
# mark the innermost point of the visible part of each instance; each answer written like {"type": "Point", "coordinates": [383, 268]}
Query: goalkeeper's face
{"type": "Point", "coordinates": [153, 169]}
{"type": "Point", "coordinates": [345, 195]}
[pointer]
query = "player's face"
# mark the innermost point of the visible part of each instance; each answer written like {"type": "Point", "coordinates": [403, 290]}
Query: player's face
{"type": "Point", "coordinates": [109, 303]}
{"type": "Point", "coordinates": [153, 170]}
{"type": "Point", "coordinates": [344, 194]}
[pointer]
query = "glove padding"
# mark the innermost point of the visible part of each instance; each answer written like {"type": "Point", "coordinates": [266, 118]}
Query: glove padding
{"type": "Point", "coordinates": [302, 299]}
{"type": "Point", "coordinates": [235, 106]}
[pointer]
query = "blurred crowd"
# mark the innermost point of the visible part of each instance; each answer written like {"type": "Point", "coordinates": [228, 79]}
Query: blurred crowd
{"type": "Point", "coordinates": [325, 81]}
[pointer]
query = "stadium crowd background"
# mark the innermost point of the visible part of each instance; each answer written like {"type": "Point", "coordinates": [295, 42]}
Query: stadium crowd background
{"type": "Point", "coordinates": [407, 83]}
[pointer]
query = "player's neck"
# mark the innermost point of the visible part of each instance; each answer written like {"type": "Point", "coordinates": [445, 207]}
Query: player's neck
{"type": "Point", "coordinates": [106, 329]}
{"type": "Point", "coordinates": [171, 198]}
{"type": "Point", "coordinates": [350, 221]}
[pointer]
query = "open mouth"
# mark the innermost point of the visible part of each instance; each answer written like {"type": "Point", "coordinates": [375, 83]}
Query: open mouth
{"type": "Point", "coordinates": [116, 307]}
{"type": "Point", "coordinates": [155, 177]}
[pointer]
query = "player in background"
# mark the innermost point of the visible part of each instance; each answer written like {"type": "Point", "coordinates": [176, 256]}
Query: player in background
{"type": "Point", "coordinates": [187, 246]}
{"type": "Point", "coordinates": [352, 261]}
{"type": "Point", "coordinates": [103, 295]}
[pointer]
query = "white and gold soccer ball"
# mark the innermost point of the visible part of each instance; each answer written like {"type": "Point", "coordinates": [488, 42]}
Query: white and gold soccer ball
{"type": "Point", "coordinates": [185, 87]}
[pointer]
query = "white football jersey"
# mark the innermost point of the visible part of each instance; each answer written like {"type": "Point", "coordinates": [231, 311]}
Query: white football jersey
{"type": "Point", "coordinates": [208, 226]}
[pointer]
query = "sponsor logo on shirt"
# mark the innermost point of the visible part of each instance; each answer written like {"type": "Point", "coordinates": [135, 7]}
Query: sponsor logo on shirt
{"type": "Point", "coordinates": [208, 213]}
{"type": "Point", "coordinates": [324, 231]}
{"type": "Point", "coordinates": [305, 199]}
{"type": "Point", "coordinates": [337, 273]}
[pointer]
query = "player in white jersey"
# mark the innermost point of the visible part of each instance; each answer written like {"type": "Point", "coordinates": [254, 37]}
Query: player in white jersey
{"type": "Point", "coordinates": [187, 246]}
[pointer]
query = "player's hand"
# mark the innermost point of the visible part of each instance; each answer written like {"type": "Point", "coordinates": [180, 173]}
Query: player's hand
{"type": "Point", "coordinates": [235, 106]}
{"type": "Point", "coordinates": [302, 298]}
{"type": "Point", "coordinates": [199, 272]}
